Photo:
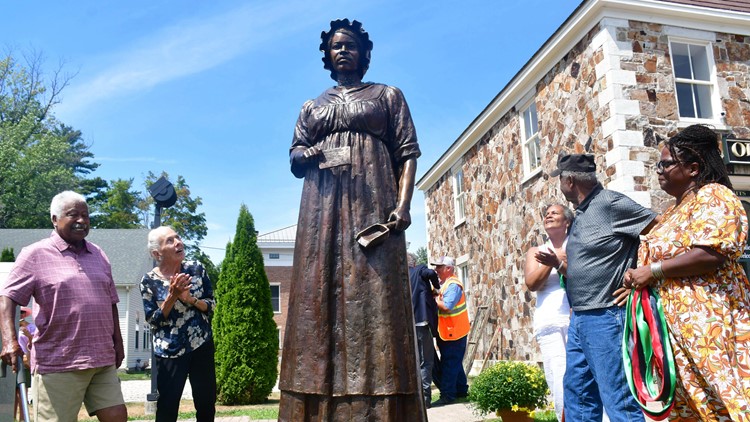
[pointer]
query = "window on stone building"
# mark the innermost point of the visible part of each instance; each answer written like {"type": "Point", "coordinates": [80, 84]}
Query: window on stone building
{"type": "Point", "coordinates": [276, 298]}
{"type": "Point", "coordinates": [459, 194]}
{"type": "Point", "coordinates": [462, 271]}
{"type": "Point", "coordinates": [532, 158]}
{"type": "Point", "coordinates": [692, 65]}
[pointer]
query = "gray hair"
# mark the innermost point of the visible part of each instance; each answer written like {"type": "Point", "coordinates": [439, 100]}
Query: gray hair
{"type": "Point", "coordinates": [411, 260]}
{"type": "Point", "coordinates": [62, 199]}
{"type": "Point", "coordinates": [587, 179]}
{"type": "Point", "coordinates": [567, 213]}
{"type": "Point", "coordinates": [154, 239]}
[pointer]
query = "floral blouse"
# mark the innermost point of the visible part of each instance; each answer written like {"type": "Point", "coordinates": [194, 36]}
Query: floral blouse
{"type": "Point", "coordinates": [186, 328]}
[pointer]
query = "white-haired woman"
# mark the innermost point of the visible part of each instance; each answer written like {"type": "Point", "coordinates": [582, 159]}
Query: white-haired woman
{"type": "Point", "coordinates": [544, 264]}
{"type": "Point", "coordinates": [178, 302]}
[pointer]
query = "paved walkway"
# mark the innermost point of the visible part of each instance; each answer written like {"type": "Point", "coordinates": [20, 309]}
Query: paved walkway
{"type": "Point", "coordinates": [135, 392]}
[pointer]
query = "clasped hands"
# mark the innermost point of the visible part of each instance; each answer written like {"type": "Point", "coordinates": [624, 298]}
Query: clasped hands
{"type": "Point", "coordinates": [179, 286]}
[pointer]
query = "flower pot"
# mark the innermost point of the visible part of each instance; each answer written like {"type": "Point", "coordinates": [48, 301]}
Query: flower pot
{"type": "Point", "coordinates": [514, 416]}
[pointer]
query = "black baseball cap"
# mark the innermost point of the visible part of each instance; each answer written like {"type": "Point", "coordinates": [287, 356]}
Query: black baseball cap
{"type": "Point", "coordinates": [582, 163]}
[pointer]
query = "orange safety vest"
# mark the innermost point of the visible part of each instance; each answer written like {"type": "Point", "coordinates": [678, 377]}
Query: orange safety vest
{"type": "Point", "coordinates": [453, 324]}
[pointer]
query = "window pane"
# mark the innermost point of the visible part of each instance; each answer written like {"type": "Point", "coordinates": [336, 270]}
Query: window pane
{"type": "Point", "coordinates": [536, 161]}
{"type": "Point", "coordinates": [685, 100]}
{"type": "Point", "coordinates": [534, 120]}
{"type": "Point", "coordinates": [459, 182]}
{"type": "Point", "coordinates": [276, 298]}
{"type": "Point", "coordinates": [681, 61]}
{"type": "Point", "coordinates": [460, 206]}
{"type": "Point", "coordinates": [699, 58]}
{"type": "Point", "coordinates": [703, 101]}
{"type": "Point", "coordinates": [273, 256]}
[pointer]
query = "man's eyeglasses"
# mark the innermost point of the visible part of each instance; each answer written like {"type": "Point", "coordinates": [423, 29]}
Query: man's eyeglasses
{"type": "Point", "coordinates": [665, 164]}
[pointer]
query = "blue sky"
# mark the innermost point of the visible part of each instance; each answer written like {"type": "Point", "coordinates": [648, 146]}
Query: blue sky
{"type": "Point", "coordinates": [211, 90]}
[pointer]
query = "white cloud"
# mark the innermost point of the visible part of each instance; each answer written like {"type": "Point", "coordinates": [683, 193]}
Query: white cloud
{"type": "Point", "coordinates": [187, 48]}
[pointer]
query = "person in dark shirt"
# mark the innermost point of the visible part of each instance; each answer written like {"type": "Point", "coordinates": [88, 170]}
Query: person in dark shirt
{"type": "Point", "coordinates": [424, 285]}
{"type": "Point", "coordinates": [178, 302]}
{"type": "Point", "coordinates": [602, 245]}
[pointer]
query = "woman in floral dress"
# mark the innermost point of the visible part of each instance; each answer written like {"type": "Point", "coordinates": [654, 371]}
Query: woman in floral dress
{"type": "Point", "coordinates": [349, 347]}
{"type": "Point", "coordinates": [691, 257]}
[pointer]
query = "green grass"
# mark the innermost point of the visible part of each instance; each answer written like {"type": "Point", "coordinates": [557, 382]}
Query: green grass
{"type": "Point", "coordinates": [135, 376]}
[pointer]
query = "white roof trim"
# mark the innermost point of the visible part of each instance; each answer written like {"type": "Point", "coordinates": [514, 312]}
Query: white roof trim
{"type": "Point", "coordinates": [562, 41]}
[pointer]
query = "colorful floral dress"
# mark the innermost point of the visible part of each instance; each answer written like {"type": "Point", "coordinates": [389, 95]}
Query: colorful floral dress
{"type": "Point", "coordinates": [708, 315]}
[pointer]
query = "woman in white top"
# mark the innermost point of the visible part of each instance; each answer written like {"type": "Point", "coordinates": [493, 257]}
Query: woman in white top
{"type": "Point", "coordinates": [552, 316]}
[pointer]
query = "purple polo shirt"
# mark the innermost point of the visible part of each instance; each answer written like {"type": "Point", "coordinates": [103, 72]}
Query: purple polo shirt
{"type": "Point", "coordinates": [73, 295]}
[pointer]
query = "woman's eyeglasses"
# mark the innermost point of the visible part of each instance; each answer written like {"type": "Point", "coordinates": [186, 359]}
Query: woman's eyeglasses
{"type": "Point", "coordinates": [662, 165]}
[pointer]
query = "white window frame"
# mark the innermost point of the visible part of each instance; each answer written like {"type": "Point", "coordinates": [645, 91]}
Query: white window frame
{"type": "Point", "coordinates": [272, 285]}
{"type": "Point", "coordinates": [530, 138]}
{"type": "Point", "coordinates": [459, 194]}
{"type": "Point", "coordinates": [462, 271]}
{"type": "Point", "coordinates": [712, 83]}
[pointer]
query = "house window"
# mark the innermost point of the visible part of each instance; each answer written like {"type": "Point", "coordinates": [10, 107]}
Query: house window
{"type": "Point", "coordinates": [459, 194]}
{"type": "Point", "coordinates": [462, 270]}
{"type": "Point", "coordinates": [136, 339]}
{"type": "Point", "coordinates": [276, 298]}
{"type": "Point", "coordinates": [145, 341]}
{"type": "Point", "coordinates": [273, 256]}
{"type": "Point", "coordinates": [463, 274]}
{"type": "Point", "coordinates": [692, 65]}
{"type": "Point", "coordinates": [532, 158]}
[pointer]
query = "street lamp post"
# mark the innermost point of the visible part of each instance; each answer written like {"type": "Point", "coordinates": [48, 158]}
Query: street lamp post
{"type": "Point", "coordinates": [164, 197]}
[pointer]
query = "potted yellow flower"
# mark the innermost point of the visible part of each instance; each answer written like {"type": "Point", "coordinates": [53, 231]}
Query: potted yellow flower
{"type": "Point", "coordinates": [511, 389]}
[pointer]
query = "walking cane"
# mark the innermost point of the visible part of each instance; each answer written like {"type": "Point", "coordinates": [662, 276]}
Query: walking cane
{"type": "Point", "coordinates": [21, 383]}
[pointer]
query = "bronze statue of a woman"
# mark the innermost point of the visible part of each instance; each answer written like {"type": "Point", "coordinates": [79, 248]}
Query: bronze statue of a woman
{"type": "Point", "coordinates": [349, 349]}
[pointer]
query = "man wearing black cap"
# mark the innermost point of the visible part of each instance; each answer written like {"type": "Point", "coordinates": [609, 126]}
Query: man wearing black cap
{"type": "Point", "coordinates": [602, 245]}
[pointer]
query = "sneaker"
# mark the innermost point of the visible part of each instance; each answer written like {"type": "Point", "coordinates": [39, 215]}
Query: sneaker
{"type": "Point", "coordinates": [442, 402]}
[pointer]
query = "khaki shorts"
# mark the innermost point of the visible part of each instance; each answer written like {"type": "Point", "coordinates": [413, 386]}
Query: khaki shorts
{"type": "Point", "coordinates": [58, 396]}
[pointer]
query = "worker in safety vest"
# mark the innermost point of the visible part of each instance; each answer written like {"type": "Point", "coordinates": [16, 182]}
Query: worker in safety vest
{"type": "Point", "coordinates": [453, 328]}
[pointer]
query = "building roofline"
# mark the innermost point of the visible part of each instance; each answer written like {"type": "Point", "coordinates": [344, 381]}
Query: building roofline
{"type": "Point", "coordinates": [580, 22]}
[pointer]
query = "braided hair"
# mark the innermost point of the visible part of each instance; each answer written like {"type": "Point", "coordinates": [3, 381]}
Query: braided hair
{"type": "Point", "coordinates": [355, 30]}
{"type": "Point", "coordinates": [699, 144]}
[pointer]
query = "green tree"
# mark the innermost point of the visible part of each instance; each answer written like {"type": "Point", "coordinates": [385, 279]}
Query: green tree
{"type": "Point", "coordinates": [40, 156]}
{"type": "Point", "coordinates": [7, 255]}
{"type": "Point", "coordinates": [116, 207]}
{"type": "Point", "coordinates": [422, 255]}
{"type": "Point", "coordinates": [247, 341]}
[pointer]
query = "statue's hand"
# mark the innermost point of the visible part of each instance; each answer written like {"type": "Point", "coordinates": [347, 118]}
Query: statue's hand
{"type": "Point", "coordinates": [305, 155]}
{"type": "Point", "coordinates": [401, 217]}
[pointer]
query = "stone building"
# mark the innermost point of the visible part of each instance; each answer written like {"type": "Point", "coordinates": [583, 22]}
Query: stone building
{"type": "Point", "coordinates": [614, 79]}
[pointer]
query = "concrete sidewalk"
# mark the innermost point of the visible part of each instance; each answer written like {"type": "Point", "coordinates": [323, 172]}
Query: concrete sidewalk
{"type": "Point", "coordinates": [135, 391]}
{"type": "Point", "coordinates": [457, 412]}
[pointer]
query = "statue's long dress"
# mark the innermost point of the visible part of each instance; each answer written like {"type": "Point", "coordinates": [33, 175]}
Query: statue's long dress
{"type": "Point", "coordinates": [349, 349]}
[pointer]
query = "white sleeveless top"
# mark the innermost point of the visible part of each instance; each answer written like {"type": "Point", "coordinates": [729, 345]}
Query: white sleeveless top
{"type": "Point", "coordinates": [552, 308]}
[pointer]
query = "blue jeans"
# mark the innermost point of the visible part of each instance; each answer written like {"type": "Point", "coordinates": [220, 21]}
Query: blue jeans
{"type": "Point", "coordinates": [452, 375]}
{"type": "Point", "coordinates": [594, 374]}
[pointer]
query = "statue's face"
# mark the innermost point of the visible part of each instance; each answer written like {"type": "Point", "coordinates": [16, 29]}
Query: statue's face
{"type": "Point", "coordinates": [344, 53]}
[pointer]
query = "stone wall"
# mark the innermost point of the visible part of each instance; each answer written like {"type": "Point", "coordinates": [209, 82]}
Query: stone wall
{"type": "Point", "coordinates": [612, 95]}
